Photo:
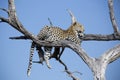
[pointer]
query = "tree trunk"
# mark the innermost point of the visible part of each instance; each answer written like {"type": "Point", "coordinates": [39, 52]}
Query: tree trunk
{"type": "Point", "coordinates": [98, 69]}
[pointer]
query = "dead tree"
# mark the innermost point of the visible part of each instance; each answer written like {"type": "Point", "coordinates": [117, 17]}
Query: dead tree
{"type": "Point", "coordinates": [97, 65]}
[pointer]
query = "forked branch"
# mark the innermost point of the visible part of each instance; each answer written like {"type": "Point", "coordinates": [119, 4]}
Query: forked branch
{"type": "Point", "coordinates": [93, 63]}
{"type": "Point", "coordinates": [112, 54]}
{"type": "Point", "coordinates": [15, 23]}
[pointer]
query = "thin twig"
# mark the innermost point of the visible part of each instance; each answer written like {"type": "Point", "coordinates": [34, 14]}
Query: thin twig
{"type": "Point", "coordinates": [67, 71]}
{"type": "Point", "coordinates": [71, 75]}
{"type": "Point", "coordinates": [19, 37]}
{"type": "Point", "coordinates": [2, 19]}
{"type": "Point", "coordinates": [51, 24]}
{"type": "Point", "coordinates": [112, 17]}
{"type": "Point", "coordinates": [77, 72]}
{"type": "Point", "coordinates": [3, 9]}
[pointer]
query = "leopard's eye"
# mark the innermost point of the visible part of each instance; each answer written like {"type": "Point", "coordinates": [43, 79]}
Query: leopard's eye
{"type": "Point", "coordinates": [79, 31]}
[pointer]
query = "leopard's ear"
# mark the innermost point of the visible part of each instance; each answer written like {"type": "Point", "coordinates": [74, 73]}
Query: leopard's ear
{"type": "Point", "coordinates": [72, 17]}
{"type": "Point", "coordinates": [74, 23]}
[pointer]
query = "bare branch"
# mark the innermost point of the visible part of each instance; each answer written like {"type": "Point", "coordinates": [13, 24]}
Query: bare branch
{"type": "Point", "coordinates": [112, 17]}
{"type": "Point", "coordinates": [87, 37]}
{"type": "Point", "coordinates": [73, 19]}
{"type": "Point", "coordinates": [4, 10]}
{"type": "Point", "coordinates": [69, 44]}
{"type": "Point", "coordinates": [50, 22]}
{"type": "Point", "coordinates": [2, 19]}
{"type": "Point", "coordinates": [100, 37]}
{"type": "Point", "coordinates": [19, 37]}
{"type": "Point", "coordinates": [11, 8]}
{"type": "Point", "coordinates": [112, 54]}
{"type": "Point", "coordinates": [67, 71]}
{"type": "Point", "coordinates": [77, 72]}
{"type": "Point", "coordinates": [88, 60]}
{"type": "Point", "coordinates": [98, 66]}
{"type": "Point", "coordinates": [15, 23]}
{"type": "Point", "coordinates": [71, 75]}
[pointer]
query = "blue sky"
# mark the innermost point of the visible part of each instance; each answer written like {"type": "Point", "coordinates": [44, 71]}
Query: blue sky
{"type": "Point", "coordinates": [33, 14]}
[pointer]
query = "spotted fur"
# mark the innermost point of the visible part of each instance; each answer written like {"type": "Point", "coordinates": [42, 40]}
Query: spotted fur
{"type": "Point", "coordinates": [55, 33]}
{"type": "Point", "coordinates": [48, 33]}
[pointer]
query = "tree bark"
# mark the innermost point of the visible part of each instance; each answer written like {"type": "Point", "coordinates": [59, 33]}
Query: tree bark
{"type": "Point", "coordinates": [97, 65]}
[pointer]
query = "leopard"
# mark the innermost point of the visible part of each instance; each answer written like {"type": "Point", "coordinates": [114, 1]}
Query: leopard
{"type": "Point", "coordinates": [74, 33]}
